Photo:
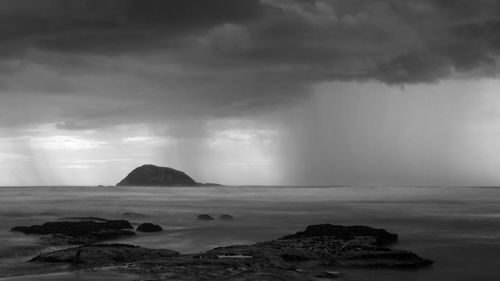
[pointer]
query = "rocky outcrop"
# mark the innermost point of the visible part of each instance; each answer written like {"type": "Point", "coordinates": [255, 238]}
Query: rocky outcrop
{"type": "Point", "coordinates": [84, 231]}
{"type": "Point", "coordinates": [151, 175]}
{"type": "Point", "coordinates": [301, 256]}
{"type": "Point", "coordinates": [341, 232]}
{"type": "Point", "coordinates": [226, 217]}
{"type": "Point", "coordinates": [104, 254]}
{"type": "Point", "coordinates": [205, 217]}
{"type": "Point", "coordinates": [149, 227]}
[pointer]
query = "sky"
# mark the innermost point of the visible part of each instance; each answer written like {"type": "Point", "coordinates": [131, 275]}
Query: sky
{"type": "Point", "coordinates": [251, 92]}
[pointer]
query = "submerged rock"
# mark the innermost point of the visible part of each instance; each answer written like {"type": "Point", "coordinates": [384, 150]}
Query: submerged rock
{"type": "Point", "coordinates": [226, 217]}
{"type": "Point", "coordinates": [104, 254]}
{"type": "Point", "coordinates": [205, 217]}
{"type": "Point", "coordinates": [149, 227]}
{"type": "Point", "coordinates": [151, 175]}
{"type": "Point", "coordinates": [85, 231]}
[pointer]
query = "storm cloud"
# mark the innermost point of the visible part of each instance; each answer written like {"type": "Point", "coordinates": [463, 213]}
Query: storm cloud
{"type": "Point", "coordinates": [259, 91]}
{"type": "Point", "coordinates": [223, 57]}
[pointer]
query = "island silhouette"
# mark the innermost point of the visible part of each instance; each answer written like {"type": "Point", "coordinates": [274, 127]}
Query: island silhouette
{"type": "Point", "coordinates": [152, 175]}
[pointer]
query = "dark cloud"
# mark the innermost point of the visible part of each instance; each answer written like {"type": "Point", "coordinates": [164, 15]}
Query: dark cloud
{"type": "Point", "coordinates": [113, 25]}
{"type": "Point", "coordinates": [100, 62]}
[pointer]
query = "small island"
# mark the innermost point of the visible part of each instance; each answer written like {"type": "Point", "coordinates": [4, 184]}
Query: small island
{"type": "Point", "coordinates": [151, 175]}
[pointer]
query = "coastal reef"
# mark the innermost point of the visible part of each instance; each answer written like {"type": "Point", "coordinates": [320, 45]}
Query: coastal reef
{"type": "Point", "coordinates": [305, 255]}
{"type": "Point", "coordinates": [79, 230]}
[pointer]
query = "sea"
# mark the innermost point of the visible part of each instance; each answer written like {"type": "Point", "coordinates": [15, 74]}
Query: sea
{"type": "Point", "coordinates": [457, 227]}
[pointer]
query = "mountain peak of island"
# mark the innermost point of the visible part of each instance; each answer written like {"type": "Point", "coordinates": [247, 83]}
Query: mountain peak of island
{"type": "Point", "coordinates": [152, 175]}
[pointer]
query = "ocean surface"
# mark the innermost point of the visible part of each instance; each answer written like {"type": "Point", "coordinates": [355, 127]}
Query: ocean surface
{"type": "Point", "coordinates": [457, 227]}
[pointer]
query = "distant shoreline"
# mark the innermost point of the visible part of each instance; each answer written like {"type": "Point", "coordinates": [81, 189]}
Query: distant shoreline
{"type": "Point", "coordinates": [264, 186]}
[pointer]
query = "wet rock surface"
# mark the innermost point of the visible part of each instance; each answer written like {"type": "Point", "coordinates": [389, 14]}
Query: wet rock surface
{"type": "Point", "coordinates": [104, 254]}
{"type": "Point", "coordinates": [205, 217]}
{"type": "Point", "coordinates": [149, 227]}
{"type": "Point", "coordinates": [305, 255]}
{"type": "Point", "coordinates": [226, 217]}
{"type": "Point", "coordinates": [79, 230]}
{"type": "Point", "coordinates": [341, 232]}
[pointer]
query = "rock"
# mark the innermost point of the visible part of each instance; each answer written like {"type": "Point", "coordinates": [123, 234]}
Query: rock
{"type": "Point", "coordinates": [205, 217]}
{"type": "Point", "coordinates": [85, 231]}
{"type": "Point", "coordinates": [133, 215]}
{"type": "Point", "coordinates": [328, 274]}
{"type": "Point", "coordinates": [334, 245]}
{"type": "Point", "coordinates": [96, 219]}
{"type": "Point", "coordinates": [104, 254]}
{"type": "Point", "coordinates": [269, 260]}
{"type": "Point", "coordinates": [226, 217]}
{"type": "Point", "coordinates": [382, 236]}
{"type": "Point", "coordinates": [151, 175]}
{"type": "Point", "coordinates": [149, 227]}
{"type": "Point", "coordinates": [370, 256]}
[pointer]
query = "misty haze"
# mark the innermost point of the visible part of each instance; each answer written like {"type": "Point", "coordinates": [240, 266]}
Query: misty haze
{"type": "Point", "coordinates": [235, 140]}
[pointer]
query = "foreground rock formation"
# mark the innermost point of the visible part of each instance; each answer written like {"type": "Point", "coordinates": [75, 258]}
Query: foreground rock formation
{"type": "Point", "coordinates": [205, 217]}
{"type": "Point", "coordinates": [149, 227]}
{"type": "Point", "coordinates": [300, 256]}
{"type": "Point", "coordinates": [341, 232]}
{"type": "Point", "coordinates": [226, 217]}
{"type": "Point", "coordinates": [104, 254]}
{"type": "Point", "coordinates": [80, 231]}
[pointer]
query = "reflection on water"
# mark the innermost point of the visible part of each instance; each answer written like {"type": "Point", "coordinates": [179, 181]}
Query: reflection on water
{"type": "Point", "coordinates": [441, 223]}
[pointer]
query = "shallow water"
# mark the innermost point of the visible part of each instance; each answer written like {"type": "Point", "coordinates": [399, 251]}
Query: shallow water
{"type": "Point", "coordinates": [457, 227]}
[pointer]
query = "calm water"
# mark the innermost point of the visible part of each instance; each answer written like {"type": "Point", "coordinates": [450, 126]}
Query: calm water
{"type": "Point", "coordinates": [457, 227]}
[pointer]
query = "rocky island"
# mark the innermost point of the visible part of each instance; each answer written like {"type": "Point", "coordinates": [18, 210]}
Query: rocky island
{"type": "Point", "coordinates": [305, 255]}
{"type": "Point", "coordinates": [151, 175]}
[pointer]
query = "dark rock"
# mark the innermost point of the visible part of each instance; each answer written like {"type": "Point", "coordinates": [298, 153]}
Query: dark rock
{"type": "Point", "coordinates": [79, 232]}
{"type": "Point", "coordinates": [104, 254]}
{"type": "Point", "coordinates": [96, 219]}
{"type": "Point", "coordinates": [340, 245]}
{"type": "Point", "coordinates": [328, 274]}
{"type": "Point", "coordinates": [382, 236]}
{"type": "Point", "coordinates": [168, 265]}
{"type": "Point", "coordinates": [293, 257]}
{"type": "Point", "coordinates": [369, 256]}
{"type": "Point", "coordinates": [73, 228]}
{"type": "Point", "coordinates": [151, 175]}
{"type": "Point", "coordinates": [270, 260]}
{"type": "Point", "coordinates": [92, 237]}
{"type": "Point", "coordinates": [133, 215]}
{"type": "Point", "coordinates": [205, 217]}
{"type": "Point", "coordinates": [149, 227]}
{"type": "Point", "coordinates": [226, 217]}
